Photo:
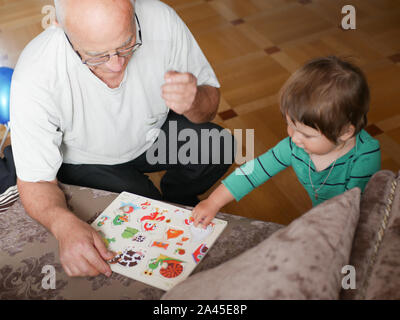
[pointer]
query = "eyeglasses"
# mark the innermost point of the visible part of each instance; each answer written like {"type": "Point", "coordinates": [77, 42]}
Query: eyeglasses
{"type": "Point", "coordinates": [121, 52]}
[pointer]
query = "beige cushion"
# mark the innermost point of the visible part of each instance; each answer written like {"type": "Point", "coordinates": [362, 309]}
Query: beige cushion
{"type": "Point", "coordinates": [301, 261]}
{"type": "Point", "coordinates": [376, 247]}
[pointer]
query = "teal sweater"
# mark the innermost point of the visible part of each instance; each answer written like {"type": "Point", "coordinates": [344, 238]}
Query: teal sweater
{"type": "Point", "coordinates": [354, 169]}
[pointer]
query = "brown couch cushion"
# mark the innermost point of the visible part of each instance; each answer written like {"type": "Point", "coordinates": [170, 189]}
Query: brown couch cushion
{"type": "Point", "coordinates": [376, 248]}
{"type": "Point", "coordinates": [26, 247]}
{"type": "Point", "coordinates": [302, 261]}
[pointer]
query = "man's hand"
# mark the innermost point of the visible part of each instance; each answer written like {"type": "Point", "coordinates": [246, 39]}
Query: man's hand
{"type": "Point", "coordinates": [179, 91]}
{"type": "Point", "coordinates": [82, 251]}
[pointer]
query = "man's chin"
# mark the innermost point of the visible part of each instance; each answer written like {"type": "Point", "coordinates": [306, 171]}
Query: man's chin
{"type": "Point", "coordinates": [113, 72]}
{"type": "Point", "coordinates": [110, 76]}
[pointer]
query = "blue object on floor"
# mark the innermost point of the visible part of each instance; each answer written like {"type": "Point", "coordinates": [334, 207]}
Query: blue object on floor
{"type": "Point", "coordinates": [5, 84]}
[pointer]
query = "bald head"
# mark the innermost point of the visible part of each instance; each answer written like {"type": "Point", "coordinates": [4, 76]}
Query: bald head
{"type": "Point", "coordinates": [60, 6]}
{"type": "Point", "coordinates": [92, 16]}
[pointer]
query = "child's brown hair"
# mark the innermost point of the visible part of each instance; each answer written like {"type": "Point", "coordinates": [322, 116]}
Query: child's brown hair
{"type": "Point", "coordinates": [327, 94]}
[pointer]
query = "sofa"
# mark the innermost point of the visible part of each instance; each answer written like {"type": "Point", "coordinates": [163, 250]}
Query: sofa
{"type": "Point", "coordinates": [346, 248]}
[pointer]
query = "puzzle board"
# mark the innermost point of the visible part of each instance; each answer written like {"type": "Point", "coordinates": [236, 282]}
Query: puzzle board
{"type": "Point", "coordinates": [156, 243]}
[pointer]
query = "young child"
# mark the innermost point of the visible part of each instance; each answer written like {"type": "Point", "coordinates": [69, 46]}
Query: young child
{"type": "Point", "coordinates": [325, 104]}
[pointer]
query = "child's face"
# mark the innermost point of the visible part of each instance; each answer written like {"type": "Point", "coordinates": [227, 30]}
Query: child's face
{"type": "Point", "coordinates": [309, 139]}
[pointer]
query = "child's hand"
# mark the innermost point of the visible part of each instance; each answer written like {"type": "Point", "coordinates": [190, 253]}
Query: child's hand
{"type": "Point", "coordinates": [204, 212]}
{"type": "Point", "coordinates": [207, 209]}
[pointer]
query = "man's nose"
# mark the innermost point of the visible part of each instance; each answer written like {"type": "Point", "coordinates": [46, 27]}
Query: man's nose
{"type": "Point", "coordinates": [115, 64]}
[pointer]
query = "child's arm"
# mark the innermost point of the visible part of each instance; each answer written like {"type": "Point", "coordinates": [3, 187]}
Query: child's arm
{"type": "Point", "coordinates": [206, 210]}
{"type": "Point", "coordinates": [243, 180]}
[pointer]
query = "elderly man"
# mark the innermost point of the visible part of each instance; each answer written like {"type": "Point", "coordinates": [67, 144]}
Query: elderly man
{"type": "Point", "coordinates": [85, 100]}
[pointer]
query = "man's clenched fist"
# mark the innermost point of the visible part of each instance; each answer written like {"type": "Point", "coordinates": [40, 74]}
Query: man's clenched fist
{"type": "Point", "coordinates": [179, 91]}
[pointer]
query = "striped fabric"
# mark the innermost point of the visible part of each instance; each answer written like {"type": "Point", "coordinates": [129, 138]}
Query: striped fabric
{"type": "Point", "coordinates": [354, 169]}
{"type": "Point", "coordinates": [8, 198]}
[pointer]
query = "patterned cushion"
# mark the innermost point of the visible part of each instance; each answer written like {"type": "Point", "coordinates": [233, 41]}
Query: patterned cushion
{"type": "Point", "coordinates": [376, 248]}
{"type": "Point", "coordinates": [302, 261]}
{"type": "Point", "coordinates": [26, 247]}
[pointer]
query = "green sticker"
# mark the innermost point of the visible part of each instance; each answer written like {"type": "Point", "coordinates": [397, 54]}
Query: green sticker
{"type": "Point", "coordinates": [129, 232]}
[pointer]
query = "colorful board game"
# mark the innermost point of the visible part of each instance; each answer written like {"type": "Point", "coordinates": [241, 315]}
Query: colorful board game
{"type": "Point", "coordinates": [156, 243]}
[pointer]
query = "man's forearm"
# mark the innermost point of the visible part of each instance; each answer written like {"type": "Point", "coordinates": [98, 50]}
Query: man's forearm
{"type": "Point", "coordinates": [45, 202]}
{"type": "Point", "coordinates": [205, 105]}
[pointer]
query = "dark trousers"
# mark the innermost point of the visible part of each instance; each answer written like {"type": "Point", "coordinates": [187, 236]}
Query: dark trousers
{"type": "Point", "coordinates": [182, 182]}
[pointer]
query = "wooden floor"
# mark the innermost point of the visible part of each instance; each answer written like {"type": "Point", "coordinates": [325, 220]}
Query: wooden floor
{"type": "Point", "coordinates": [254, 46]}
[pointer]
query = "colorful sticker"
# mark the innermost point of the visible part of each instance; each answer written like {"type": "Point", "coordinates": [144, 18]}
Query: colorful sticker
{"type": "Point", "coordinates": [153, 228]}
{"type": "Point", "coordinates": [128, 258]}
{"type": "Point", "coordinates": [145, 205]}
{"type": "Point", "coordinates": [102, 220]}
{"type": "Point", "coordinates": [199, 253]}
{"type": "Point", "coordinates": [139, 238]}
{"type": "Point", "coordinates": [180, 251]}
{"type": "Point", "coordinates": [181, 242]}
{"type": "Point", "coordinates": [106, 241]}
{"type": "Point", "coordinates": [149, 226]}
{"type": "Point", "coordinates": [189, 221]}
{"type": "Point", "coordinates": [128, 207]}
{"type": "Point", "coordinates": [168, 267]}
{"type": "Point", "coordinates": [123, 213]}
{"type": "Point", "coordinates": [154, 216]}
{"type": "Point", "coordinates": [173, 233]}
{"type": "Point", "coordinates": [160, 244]}
{"type": "Point", "coordinates": [120, 219]}
{"type": "Point", "coordinates": [129, 232]}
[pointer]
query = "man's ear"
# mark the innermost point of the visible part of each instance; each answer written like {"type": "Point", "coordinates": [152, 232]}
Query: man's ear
{"type": "Point", "coordinates": [348, 132]}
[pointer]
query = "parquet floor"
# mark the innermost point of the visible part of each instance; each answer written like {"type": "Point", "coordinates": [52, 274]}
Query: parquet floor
{"type": "Point", "coordinates": [254, 46]}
